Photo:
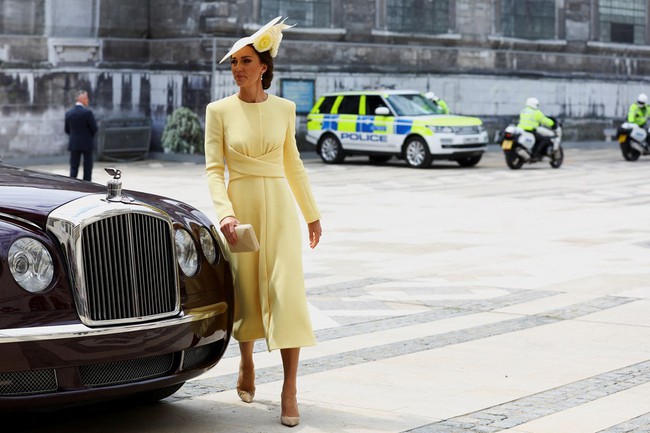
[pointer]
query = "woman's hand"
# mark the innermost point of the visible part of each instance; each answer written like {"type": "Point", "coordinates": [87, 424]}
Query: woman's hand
{"type": "Point", "coordinates": [228, 225]}
{"type": "Point", "coordinates": [315, 231]}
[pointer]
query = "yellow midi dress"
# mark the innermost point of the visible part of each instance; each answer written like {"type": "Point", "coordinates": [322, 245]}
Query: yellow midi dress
{"type": "Point", "coordinates": [257, 144]}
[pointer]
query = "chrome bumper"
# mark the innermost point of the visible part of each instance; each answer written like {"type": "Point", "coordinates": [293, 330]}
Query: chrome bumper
{"type": "Point", "coordinates": [41, 333]}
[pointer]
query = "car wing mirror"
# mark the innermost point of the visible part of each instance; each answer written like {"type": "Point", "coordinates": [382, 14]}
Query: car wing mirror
{"type": "Point", "coordinates": [382, 111]}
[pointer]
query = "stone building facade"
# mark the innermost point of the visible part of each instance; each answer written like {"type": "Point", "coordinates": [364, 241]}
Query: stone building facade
{"type": "Point", "coordinates": [586, 60]}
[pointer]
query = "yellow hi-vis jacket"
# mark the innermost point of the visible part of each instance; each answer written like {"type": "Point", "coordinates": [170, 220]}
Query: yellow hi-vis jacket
{"type": "Point", "coordinates": [530, 119]}
{"type": "Point", "coordinates": [443, 106]}
{"type": "Point", "coordinates": [637, 114]}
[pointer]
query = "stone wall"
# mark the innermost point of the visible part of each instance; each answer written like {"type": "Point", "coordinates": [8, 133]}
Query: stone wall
{"type": "Point", "coordinates": [34, 103]}
{"type": "Point", "coordinates": [149, 57]}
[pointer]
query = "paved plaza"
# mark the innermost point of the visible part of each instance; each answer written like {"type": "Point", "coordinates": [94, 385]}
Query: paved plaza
{"type": "Point", "coordinates": [445, 300]}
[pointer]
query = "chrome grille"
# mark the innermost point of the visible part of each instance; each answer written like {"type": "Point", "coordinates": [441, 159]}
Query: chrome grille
{"type": "Point", "coordinates": [128, 268]}
{"type": "Point", "coordinates": [467, 130]}
{"type": "Point", "coordinates": [132, 370]}
{"type": "Point", "coordinates": [28, 382]}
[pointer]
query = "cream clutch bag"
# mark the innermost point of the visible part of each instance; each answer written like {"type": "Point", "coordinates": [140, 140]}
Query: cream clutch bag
{"type": "Point", "coordinates": [246, 240]}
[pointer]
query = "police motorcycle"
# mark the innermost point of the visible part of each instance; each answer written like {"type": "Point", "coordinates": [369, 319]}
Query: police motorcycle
{"type": "Point", "coordinates": [633, 141]}
{"type": "Point", "coordinates": [517, 145]}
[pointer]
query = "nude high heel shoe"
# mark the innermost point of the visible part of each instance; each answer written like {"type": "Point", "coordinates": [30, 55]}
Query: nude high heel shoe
{"type": "Point", "coordinates": [289, 421]}
{"type": "Point", "coordinates": [246, 396]}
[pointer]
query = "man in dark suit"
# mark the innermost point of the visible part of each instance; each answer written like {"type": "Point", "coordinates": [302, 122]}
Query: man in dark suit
{"type": "Point", "coordinates": [81, 126]}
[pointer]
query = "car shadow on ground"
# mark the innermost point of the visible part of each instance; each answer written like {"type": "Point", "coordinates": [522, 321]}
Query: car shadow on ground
{"type": "Point", "coordinates": [398, 163]}
{"type": "Point", "coordinates": [200, 415]}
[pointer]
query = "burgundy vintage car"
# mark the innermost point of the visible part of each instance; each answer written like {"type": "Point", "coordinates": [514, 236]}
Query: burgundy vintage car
{"type": "Point", "coordinates": [104, 294]}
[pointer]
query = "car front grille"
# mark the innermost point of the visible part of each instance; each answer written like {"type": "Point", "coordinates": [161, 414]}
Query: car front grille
{"type": "Point", "coordinates": [467, 130]}
{"type": "Point", "coordinates": [129, 371]}
{"type": "Point", "coordinates": [24, 383]}
{"type": "Point", "coordinates": [201, 355]}
{"type": "Point", "coordinates": [128, 268]}
{"type": "Point", "coordinates": [28, 382]}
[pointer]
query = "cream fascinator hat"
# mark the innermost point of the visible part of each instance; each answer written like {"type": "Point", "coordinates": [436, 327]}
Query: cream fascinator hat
{"type": "Point", "coordinates": [265, 39]}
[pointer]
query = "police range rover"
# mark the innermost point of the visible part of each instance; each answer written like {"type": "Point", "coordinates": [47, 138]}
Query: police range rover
{"type": "Point", "coordinates": [390, 123]}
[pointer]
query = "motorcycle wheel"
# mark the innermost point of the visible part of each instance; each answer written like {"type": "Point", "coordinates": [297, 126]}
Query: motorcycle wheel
{"type": "Point", "coordinates": [629, 153]}
{"type": "Point", "coordinates": [513, 160]}
{"type": "Point", "coordinates": [557, 158]}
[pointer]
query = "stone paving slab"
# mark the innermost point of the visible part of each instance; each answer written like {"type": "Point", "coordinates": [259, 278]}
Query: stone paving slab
{"type": "Point", "coordinates": [444, 300]}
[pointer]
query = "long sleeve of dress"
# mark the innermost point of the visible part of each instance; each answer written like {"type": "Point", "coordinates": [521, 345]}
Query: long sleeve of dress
{"type": "Point", "coordinates": [214, 162]}
{"type": "Point", "coordinates": [295, 173]}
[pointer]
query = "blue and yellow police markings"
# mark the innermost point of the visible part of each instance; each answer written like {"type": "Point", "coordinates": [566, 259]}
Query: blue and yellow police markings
{"type": "Point", "coordinates": [403, 126]}
{"type": "Point", "coordinates": [367, 132]}
{"type": "Point", "coordinates": [368, 124]}
{"type": "Point", "coordinates": [330, 122]}
{"type": "Point", "coordinates": [366, 129]}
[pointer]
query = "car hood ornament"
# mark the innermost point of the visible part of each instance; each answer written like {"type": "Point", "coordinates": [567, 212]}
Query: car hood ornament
{"type": "Point", "coordinates": [114, 186]}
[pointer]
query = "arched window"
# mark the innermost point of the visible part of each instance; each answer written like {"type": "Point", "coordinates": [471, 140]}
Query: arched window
{"type": "Point", "coordinates": [306, 13]}
{"type": "Point", "coordinates": [528, 19]}
{"type": "Point", "coordinates": [417, 16]}
{"type": "Point", "coordinates": [622, 21]}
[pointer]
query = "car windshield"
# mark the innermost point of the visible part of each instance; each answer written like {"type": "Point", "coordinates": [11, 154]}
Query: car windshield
{"type": "Point", "coordinates": [412, 105]}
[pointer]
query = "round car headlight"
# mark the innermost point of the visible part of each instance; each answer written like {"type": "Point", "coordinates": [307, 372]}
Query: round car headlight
{"type": "Point", "coordinates": [186, 252]}
{"type": "Point", "coordinates": [30, 264]}
{"type": "Point", "coordinates": [207, 245]}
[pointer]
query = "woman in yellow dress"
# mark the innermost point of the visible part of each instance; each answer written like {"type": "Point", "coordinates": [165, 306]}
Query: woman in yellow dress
{"type": "Point", "coordinates": [252, 133]}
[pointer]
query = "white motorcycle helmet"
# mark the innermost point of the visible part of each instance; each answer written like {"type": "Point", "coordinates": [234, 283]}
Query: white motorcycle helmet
{"type": "Point", "coordinates": [532, 103]}
{"type": "Point", "coordinates": [642, 99]}
{"type": "Point", "coordinates": [431, 96]}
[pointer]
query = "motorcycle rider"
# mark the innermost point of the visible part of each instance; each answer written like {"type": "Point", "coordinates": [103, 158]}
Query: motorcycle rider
{"type": "Point", "coordinates": [440, 103]}
{"type": "Point", "coordinates": [639, 110]}
{"type": "Point", "coordinates": [532, 119]}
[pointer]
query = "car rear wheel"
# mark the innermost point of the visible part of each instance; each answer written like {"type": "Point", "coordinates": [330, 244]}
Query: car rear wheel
{"type": "Point", "coordinates": [469, 161]}
{"type": "Point", "coordinates": [331, 151]}
{"type": "Point", "coordinates": [416, 153]}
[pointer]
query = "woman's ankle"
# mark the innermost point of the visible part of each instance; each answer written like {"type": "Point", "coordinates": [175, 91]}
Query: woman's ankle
{"type": "Point", "coordinates": [289, 404]}
{"type": "Point", "coordinates": [246, 378]}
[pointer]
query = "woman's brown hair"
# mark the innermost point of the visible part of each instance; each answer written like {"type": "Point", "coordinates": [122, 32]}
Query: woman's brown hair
{"type": "Point", "coordinates": [267, 77]}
